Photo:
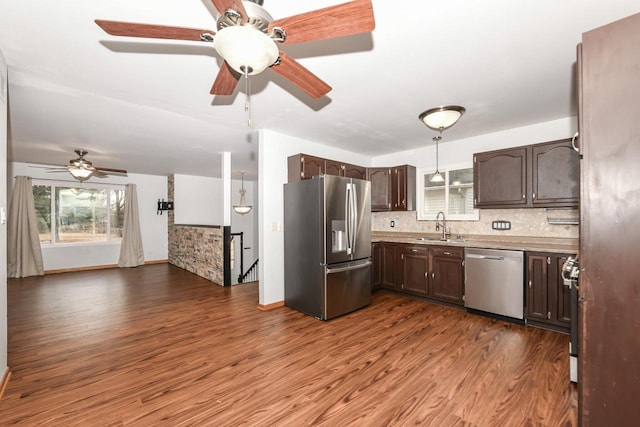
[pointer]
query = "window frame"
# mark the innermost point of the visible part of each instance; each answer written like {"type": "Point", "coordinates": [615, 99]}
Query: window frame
{"type": "Point", "coordinates": [420, 211]}
{"type": "Point", "coordinates": [85, 186]}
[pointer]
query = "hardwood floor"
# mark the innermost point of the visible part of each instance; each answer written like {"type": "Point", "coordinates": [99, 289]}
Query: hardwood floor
{"type": "Point", "coordinates": [156, 345]}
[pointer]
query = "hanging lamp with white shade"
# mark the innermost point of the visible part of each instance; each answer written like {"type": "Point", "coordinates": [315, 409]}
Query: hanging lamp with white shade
{"type": "Point", "coordinates": [242, 207]}
{"type": "Point", "coordinates": [439, 119]}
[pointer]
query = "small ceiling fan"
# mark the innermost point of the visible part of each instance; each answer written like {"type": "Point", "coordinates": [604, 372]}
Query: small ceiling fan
{"type": "Point", "coordinates": [247, 38]}
{"type": "Point", "coordinates": [82, 169]}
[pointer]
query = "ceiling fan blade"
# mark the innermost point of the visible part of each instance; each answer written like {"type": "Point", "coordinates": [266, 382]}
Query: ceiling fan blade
{"type": "Point", "coordinates": [222, 5]}
{"type": "Point", "coordinates": [344, 19]}
{"type": "Point", "coordinates": [110, 170]}
{"type": "Point", "coordinates": [132, 29]}
{"type": "Point", "coordinates": [226, 80]}
{"type": "Point", "coordinates": [293, 71]}
{"type": "Point", "coordinates": [98, 174]}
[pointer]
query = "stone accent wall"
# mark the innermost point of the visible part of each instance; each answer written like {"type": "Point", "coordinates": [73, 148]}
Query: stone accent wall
{"type": "Point", "coordinates": [196, 248]}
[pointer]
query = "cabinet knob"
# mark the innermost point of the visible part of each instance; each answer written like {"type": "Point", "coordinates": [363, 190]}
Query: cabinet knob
{"type": "Point", "coordinates": [529, 284]}
{"type": "Point", "coordinates": [533, 195]}
{"type": "Point", "coordinates": [524, 196]}
{"type": "Point", "coordinates": [548, 315]}
{"type": "Point", "coordinates": [447, 253]}
{"type": "Point", "coordinates": [426, 274]}
{"type": "Point", "coordinates": [433, 275]}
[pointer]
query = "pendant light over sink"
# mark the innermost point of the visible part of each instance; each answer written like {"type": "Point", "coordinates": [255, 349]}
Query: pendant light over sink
{"type": "Point", "coordinates": [439, 119]}
{"type": "Point", "coordinates": [242, 207]}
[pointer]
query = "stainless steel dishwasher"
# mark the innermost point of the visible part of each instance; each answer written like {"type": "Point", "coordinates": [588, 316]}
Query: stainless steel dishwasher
{"type": "Point", "coordinates": [494, 281]}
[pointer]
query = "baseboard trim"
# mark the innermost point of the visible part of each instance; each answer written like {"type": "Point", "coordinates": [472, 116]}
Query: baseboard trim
{"type": "Point", "coordinates": [5, 381]}
{"type": "Point", "coordinates": [272, 306]}
{"type": "Point", "coordinates": [99, 267]}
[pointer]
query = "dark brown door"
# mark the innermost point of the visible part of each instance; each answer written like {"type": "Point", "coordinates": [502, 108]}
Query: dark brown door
{"type": "Point", "coordinates": [380, 188]}
{"type": "Point", "coordinates": [331, 167]}
{"type": "Point", "coordinates": [560, 300]}
{"type": "Point", "coordinates": [354, 171]}
{"type": "Point", "coordinates": [303, 166]}
{"type": "Point", "coordinates": [389, 262]}
{"type": "Point", "coordinates": [500, 178]}
{"type": "Point", "coordinates": [555, 174]}
{"type": "Point", "coordinates": [447, 275]}
{"type": "Point", "coordinates": [537, 277]}
{"type": "Point", "coordinates": [414, 262]}
{"type": "Point", "coordinates": [609, 319]}
{"type": "Point", "coordinates": [399, 188]}
{"type": "Point", "coordinates": [376, 268]}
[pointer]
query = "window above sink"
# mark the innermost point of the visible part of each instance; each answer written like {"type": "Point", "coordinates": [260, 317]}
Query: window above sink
{"type": "Point", "coordinates": [453, 196]}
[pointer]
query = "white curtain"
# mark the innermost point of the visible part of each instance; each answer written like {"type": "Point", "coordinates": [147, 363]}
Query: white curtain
{"type": "Point", "coordinates": [131, 252]}
{"type": "Point", "coordinates": [24, 256]}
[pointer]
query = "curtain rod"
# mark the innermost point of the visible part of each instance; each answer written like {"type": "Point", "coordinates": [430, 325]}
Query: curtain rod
{"type": "Point", "coordinates": [64, 181]}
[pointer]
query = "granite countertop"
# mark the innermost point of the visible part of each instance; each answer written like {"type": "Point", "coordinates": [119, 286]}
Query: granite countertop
{"type": "Point", "coordinates": [524, 243]}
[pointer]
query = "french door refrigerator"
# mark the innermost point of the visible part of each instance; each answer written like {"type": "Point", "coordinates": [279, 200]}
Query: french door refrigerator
{"type": "Point", "coordinates": [327, 245]}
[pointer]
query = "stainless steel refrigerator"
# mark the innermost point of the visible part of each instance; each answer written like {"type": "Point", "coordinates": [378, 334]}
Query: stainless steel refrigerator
{"type": "Point", "coordinates": [327, 245]}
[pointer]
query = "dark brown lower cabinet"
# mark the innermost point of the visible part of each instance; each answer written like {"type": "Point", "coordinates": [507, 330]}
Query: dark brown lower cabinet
{"type": "Point", "coordinates": [414, 269]}
{"type": "Point", "coordinates": [384, 265]}
{"type": "Point", "coordinates": [434, 272]}
{"type": "Point", "coordinates": [547, 299]}
{"type": "Point", "coordinates": [447, 274]}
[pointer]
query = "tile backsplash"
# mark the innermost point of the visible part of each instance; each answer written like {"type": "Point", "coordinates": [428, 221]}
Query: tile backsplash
{"type": "Point", "coordinates": [529, 222]}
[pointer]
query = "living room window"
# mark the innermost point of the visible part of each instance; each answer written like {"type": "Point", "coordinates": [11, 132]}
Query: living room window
{"type": "Point", "coordinates": [67, 214]}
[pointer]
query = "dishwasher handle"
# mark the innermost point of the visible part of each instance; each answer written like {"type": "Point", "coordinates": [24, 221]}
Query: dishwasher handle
{"type": "Point", "coordinates": [496, 258]}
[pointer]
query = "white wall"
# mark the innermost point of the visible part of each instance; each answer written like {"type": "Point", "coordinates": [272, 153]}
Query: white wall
{"type": "Point", "coordinates": [3, 205]}
{"type": "Point", "coordinates": [153, 227]}
{"type": "Point", "coordinates": [198, 200]}
{"type": "Point", "coordinates": [274, 148]}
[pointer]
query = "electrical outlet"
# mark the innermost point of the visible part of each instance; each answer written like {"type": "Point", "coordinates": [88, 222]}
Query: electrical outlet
{"type": "Point", "coordinates": [501, 225]}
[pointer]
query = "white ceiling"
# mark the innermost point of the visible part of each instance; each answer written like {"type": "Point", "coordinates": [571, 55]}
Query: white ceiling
{"type": "Point", "coordinates": [144, 105]}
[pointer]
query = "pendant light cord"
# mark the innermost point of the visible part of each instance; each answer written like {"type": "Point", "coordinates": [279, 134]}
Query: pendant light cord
{"type": "Point", "coordinates": [247, 103]}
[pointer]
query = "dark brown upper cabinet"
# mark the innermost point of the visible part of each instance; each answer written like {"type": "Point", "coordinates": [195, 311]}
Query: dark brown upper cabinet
{"type": "Point", "coordinates": [392, 189]}
{"type": "Point", "coordinates": [304, 166]}
{"type": "Point", "coordinates": [539, 175]}
{"type": "Point", "coordinates": [333, 167]}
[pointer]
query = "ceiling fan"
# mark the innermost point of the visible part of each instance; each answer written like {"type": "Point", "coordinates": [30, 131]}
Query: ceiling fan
{"type": "Point", "coordinates": [82, 169]}
{"type": "Point", "coordinates": [247, 38]}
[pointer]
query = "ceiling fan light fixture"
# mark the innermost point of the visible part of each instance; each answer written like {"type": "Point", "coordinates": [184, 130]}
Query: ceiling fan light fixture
{"type": "Point", "coordinates": [441, 118]}
{"type": "Point", "coordinates": [246, 49]}
{"type": "Point", "coordinates": [80, 173]}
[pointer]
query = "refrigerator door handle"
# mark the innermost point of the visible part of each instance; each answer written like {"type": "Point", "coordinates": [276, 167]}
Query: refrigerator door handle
{"type": "Point", "coordinates": [354, 217]}
{"type": "Point", "coordinates": [347, 214]}
{"type": "Point", "coordinates": [348, 268]}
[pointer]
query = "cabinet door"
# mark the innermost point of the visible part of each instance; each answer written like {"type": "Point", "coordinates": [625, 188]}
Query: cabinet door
{"type": "Point", "coordinates": [384, 265]}
{"type": "Point", "coordinates": [414, 269]}
{"type": "Point", "coordinates": [399, 189]}
{"type": "Point", "coordinates": [560, 295]}
{"type": "Point", "coordinates": [500, 178]}
{"type": "Point", "coordinates": [555, 174]}
{"type": "Point", "coordinates": [331, 167]}
{"type": "Point", "coordinates": [380, 188]}
{"type": "Point", "coordinates": [447, 275]}
{"type": "Point", "coordinates": [304, 166]}
{"type": "Point", "coordinates": [537, 277]}
{"type": "Point", "coordinates": [354, 171]}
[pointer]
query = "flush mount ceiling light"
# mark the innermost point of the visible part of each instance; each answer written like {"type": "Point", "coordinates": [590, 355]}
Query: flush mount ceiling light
{"type": "Point", "coordinates": [439, 119]}
{"type": "Point", "coordinates": [242, 207]}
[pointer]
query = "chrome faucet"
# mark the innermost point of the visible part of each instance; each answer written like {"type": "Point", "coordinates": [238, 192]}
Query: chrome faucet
{"type": "Point", "coordinates": [442, 224]}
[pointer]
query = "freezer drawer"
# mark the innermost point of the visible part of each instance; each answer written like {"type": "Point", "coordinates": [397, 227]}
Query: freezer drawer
{"type": "Point", "coordinates": [347, 287]}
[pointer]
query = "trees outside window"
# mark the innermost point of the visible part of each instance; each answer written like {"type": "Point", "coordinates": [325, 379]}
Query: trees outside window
{"type": "Point", "coordinates": [68, 214]}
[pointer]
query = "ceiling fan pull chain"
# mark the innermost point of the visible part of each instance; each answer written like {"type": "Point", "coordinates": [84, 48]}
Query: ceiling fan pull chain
{"type": "Point", "coordinates": [247, 103]}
